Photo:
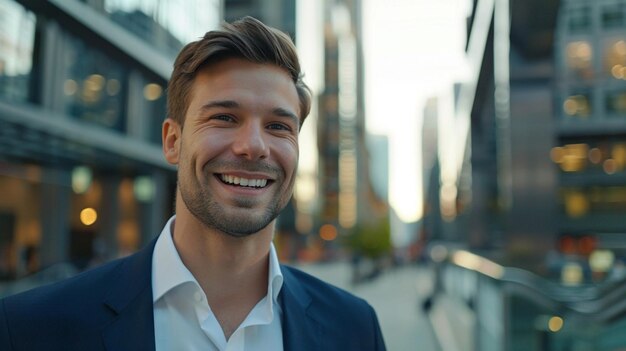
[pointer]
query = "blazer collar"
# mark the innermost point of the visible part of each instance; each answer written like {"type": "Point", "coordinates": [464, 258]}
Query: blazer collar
{"type": "Point", "coordinates": [130, 298]}
{"type": "Point", "coordinates": [300, 331]}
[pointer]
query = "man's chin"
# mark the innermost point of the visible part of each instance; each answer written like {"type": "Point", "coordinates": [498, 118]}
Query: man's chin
{"type": "Point", "coordinates": [239, 225]}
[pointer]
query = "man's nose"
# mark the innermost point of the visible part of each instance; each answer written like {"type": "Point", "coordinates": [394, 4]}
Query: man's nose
{"type": "Point", "coordinates": [250, 142]}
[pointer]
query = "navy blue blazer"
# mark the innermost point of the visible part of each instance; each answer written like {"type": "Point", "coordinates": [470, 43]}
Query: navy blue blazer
{"type": "Point", "coordinates": [110, 308]}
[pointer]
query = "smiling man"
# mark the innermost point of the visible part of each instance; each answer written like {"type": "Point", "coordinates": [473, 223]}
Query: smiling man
{"type": "Point", "coordinates": [211, 280]}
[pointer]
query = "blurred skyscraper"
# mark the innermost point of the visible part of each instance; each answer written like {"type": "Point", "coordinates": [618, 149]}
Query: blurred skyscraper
{"type": "Point", "coordinates": [279, 14]}
{"type": "Point", "coordinates": [532, 179]}
{"type": "Point", "coordinates": [590, 115]}
{"type": "Point", "coordinates": [544, 137]}
{"type": "Point", "coordinates": [493, 166]}
{"type": "Point", "coordinates": [347, 197]}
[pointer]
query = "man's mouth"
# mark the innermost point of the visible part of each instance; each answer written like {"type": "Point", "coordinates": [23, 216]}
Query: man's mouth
{"type": "Point", "coordinates": [245, 182]}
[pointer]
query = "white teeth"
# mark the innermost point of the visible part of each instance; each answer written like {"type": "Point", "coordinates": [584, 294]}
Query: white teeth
{"type": "Point", "coordinates": [256, 183]}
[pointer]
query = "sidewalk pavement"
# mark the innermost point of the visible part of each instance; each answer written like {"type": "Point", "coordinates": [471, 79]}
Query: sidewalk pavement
{"type": "Point", "coordinates": [396, 295]}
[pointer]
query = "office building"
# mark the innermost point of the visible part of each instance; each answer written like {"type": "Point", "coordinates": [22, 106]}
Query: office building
{"type": "Point", "coordinates": [82, 99]}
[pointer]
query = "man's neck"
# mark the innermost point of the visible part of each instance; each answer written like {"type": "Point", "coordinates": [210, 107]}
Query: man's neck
{"type": "Point", "coordinates": [232, 272]}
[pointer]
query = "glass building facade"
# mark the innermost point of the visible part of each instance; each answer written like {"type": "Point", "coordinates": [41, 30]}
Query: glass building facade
{"type": "Point", "coordinates": [82, 99]}
{"type": "Point", "coordinates": [590, 154]}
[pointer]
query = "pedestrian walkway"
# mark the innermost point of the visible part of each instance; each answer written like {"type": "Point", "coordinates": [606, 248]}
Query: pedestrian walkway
{"type": "Point", "coordinates": [396, 295]}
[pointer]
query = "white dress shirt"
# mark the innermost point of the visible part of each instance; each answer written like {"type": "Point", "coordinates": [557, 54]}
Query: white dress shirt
{"type": "Point", "coordinates": [183, 319]}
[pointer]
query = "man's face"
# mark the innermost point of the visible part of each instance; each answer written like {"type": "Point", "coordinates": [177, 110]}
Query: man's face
{"type": "Point", "coordinates": [238, 150]}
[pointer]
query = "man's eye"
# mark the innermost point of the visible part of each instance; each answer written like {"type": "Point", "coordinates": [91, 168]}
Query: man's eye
{"type": "Point", "coordinates": [225, 118]}
{"type": "Point", "coordinates": [278, 126]}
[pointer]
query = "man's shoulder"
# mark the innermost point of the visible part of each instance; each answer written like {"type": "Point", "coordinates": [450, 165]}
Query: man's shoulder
{"type": "Point", "coordinates": [72, 314]}
{"type": "Point", "coordinates": [344, 320]}
{"type": "Point", "coordinates": [84, 286]}
{"type": "Point", "coordinates": [326, 294]}
{"type": "Point", "coordinates": [94, 283]}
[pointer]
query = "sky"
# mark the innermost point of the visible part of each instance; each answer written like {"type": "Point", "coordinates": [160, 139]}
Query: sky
{"type": "Point", "coordinates": [414, 50]}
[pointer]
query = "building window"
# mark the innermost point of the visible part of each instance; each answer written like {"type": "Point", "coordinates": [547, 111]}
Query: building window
{"type": "Point", "coordinates": [615, 59]}
{"type": "Point", "coordinates": [575, 202]}
{"type": "Point", "coordinates": [579, 55]}
{"type": "Point", "coordinates": [577, 105]}
{"type": "Point", "coordinates": [165, 24]}
{"type": "Point", "coordinates": [17, 39]}
{"type": "Point", "coordinates": [591, 157]}
{"type": "Point", "coordinates": [613, 16]}
{"type": "Point", "coordinates": [579, 19]}
{"type": "Point", "coordinates": [94, 86]}
{"type": "Point", "coordinates": [570, 157]}
{"type": "Point", "coordinates": [155, 104]}
{"type": "Point", "coordinates": [579, 202]}
{"type": "Point", "coordinates": [616, 103]}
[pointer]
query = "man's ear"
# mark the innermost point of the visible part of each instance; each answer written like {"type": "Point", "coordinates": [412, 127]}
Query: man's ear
{"type": "Point", "coordinates": [171, 135]}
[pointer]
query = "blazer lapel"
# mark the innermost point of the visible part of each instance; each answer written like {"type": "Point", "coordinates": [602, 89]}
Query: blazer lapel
{"type": "Point", "coordinates": [130, 299]}
{"type": "Point", "coordinates": [300, 331]}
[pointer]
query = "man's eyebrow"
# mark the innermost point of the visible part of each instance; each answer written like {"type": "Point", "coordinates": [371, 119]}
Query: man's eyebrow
{"type": "Point", "coordinates": [220, 104]}
{"type": "Point", "coordinates": [279, 111]}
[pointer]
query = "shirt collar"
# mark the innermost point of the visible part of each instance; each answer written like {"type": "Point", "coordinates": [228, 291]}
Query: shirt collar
{"type": "Point", "coordinates": [275, 279]}
{"type": "Point", "coordinates": [168, 270]}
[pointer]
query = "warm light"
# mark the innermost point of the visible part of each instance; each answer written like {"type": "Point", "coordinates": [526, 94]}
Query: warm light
{"type": "Point", "coordinates": [556, 154]}
{"type": "Point", "coordinates": [601, 260]}
{"type": "Point", "coordinates": [609, 166]}
{"type": "Point", "coordinates": [477, 263]}
{"type": "Point", "coordinates": [577, 105]}
{"type": "Point", "coordinates": [570, 106]}
{"type": "Point", "coordinates": [152, 91]}
{"type": "Point", "coordinates": [304, 222]}
{"type": "Point", "coordinates": [595, 155]}
{"type": "Point", "coordinates": [328, 232]}
{"type": "Point", "coordinates": [128, 236]}
{"type": "Point", "coordinates": [94, 82]}
{"type": "Point", "coordinates": [583, 50]}
{"type": "Point", "coordinates": [617, 72]}
{"type": "Point", "coordinates": [572, 274]}
{"type": "Point", "coordinates": [620, 47]}
{"type": "Point", "coordinates": [575, 157]}
{"type": "Point", "coordinates": [619, 155]}
{"type": "Point", "coordinates": [586, 245]}
{"type": "Point", "coordinates": [555, 324]}
{"type": "Point", "coordinates": [579, 54]}
{"type": "Point", "coordinates": [448, 195]}
{"type": "Point", "coordinates": [567, 245]}
{"type": "Point", "coordinates": [576, 204]}
{"type": "Point", "coordinates": [88, 216]}
{"type": "Point", "coordinates": [347, 186]}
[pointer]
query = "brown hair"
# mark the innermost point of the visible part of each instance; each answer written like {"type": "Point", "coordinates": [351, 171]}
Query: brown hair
{"type": "Point", "coordinates": [248, 39]}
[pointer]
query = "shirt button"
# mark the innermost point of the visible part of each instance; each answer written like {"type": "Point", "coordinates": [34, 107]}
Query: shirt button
{"type": "Point", "coordinates": [197, 296]}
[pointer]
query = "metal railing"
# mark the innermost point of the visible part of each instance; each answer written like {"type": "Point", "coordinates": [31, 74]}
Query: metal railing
{"type": "Point", "coordinates": [480, 305]}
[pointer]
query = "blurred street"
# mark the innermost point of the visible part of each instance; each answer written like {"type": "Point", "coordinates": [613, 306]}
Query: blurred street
{"type": "Point", "coordinates": [396, 295]}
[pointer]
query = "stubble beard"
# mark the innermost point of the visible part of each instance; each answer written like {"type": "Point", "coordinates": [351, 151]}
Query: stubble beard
{"type": "Point", "coordinates": [213, 215]}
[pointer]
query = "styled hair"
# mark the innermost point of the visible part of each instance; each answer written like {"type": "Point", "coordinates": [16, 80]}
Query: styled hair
{"type": "Point", "coordinates": [248, 39]}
